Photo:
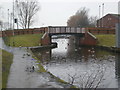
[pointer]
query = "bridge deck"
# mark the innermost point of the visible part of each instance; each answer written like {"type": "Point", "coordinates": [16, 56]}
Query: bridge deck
{"type": "Point", "coordinates": [68, 30]}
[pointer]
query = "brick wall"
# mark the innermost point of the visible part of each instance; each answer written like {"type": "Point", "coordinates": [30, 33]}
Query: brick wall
{"type": "Point", "coordinates": [88, 39]}
{"type": "Point", "coordinates": [45, 29]}
{"type": "Point", "coordinates": [23, 31]}
{"type": "Point", "coordinates": [101, 30]}
{"type": "Point", "coordinates": [45, 40]}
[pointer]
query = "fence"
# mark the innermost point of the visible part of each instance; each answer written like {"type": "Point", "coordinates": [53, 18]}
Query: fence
{"type": "Point", "coordinates": [22, 31]}
{"type": "Point", "coordinates": [56, 30]}
{"type": "Point", "coordinates": [61, 30]}
{"type": "Point", "coordinates": [101, 30]}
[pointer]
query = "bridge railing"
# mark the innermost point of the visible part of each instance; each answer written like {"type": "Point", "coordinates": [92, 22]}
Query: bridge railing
{"type": "Point", "coordinates": [65, 30]}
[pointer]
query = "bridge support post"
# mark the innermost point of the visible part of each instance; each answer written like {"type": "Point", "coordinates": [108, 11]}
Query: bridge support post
{"type": "Point", "coordinates": [118, 29]}
{"type": "Point", "coordinates": [46, 39]}
{"type": "Point", "coordinates": [118, 35]}
{"type": "Point", "coordinates": [77, 41]}
{"type": "Point", "coordinates": [89, 40]}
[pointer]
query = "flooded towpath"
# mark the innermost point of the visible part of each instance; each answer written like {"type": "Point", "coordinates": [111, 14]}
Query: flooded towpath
{"type": "Point", "coordinates": [23, 76]}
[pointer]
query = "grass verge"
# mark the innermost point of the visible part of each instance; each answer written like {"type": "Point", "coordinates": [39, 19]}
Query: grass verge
{"type": "Point", "coordinates": [7, 59]}
{"type": "Point", "coordinates": [27, 40]}
{"type": "Point", "coordinates": [41, 68]}
{"type": "Point", "coordinates": [106, 40]}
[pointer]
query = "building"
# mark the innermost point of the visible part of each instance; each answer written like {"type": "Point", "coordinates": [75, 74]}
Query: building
{"type": "Point", "coordinates": [109, 21]}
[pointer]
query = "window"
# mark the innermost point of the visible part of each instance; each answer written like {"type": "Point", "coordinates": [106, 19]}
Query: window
{"type": "Point", "coordinates": [109, 18]}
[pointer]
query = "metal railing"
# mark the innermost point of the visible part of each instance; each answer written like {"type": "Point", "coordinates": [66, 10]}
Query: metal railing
{"type": "Point", "coordinates": [65, 30]}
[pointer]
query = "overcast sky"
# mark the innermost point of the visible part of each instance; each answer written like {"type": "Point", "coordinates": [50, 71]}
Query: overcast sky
{"type": "Point", "coordinates": [57, 12]}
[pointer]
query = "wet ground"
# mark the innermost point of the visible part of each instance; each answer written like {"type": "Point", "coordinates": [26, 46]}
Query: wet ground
{"type": "Point", "coordinates": [22, 74]}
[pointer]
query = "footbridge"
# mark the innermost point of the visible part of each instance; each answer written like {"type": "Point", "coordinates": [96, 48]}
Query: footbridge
{"type": "Point", "coordinates": [81, 36]}
{"type": "Point", "coordinates": [65, 30]}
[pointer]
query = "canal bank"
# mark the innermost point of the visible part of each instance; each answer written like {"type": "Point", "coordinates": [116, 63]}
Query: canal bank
{"type": "Point", "coordinates": [110, 49]}
{"type": "Point", "coordinates": [37, 48]}
{"type": "Point", "coordinates": [107, 42]}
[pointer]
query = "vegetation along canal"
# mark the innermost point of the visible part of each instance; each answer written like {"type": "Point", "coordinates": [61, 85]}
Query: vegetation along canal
{"type": "Point", "coordinates": [85, 67]}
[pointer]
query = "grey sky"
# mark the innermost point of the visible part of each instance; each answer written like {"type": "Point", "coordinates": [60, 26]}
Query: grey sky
{"type": "Point", "coordinates": [57, 12]}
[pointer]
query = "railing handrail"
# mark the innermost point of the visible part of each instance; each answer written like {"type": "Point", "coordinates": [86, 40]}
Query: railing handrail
{"type": "Point", "coordinates": [65, 30]}
{"type": "Point", "coordinates": [44, 35]}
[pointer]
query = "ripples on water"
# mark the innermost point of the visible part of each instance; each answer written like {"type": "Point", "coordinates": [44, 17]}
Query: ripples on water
{"type": "Point", "coordinates": [83, 64]}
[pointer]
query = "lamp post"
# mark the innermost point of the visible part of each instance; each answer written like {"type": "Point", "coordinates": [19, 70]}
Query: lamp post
{"type": "Point", "coordinates": [118, 28]}
{"type": "Point", "coordinates": [102, 14]}
{"type": "Point", "coordinates": [99, 23]}
{"type": "Point", "coordinates": [16, 21]}
{"type": "Point", "coordinates": [8, 19]}
{"type": "Point", "coordinates": [13, 24]}
{"type": "Point", "coordinates": [11, 17]}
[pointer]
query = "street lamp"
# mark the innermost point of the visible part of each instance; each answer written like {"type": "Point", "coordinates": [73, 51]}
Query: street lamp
{"type": "Point", "coordinates": [16, 21]}
{"type": "Point", "coordinates": [102, 13]}
{"type": "Point", "coordinates": [13, 24]}
{"type": "Point", "coordinates": [99, 16]}
{"type": "Point", "coordinates": [8, 19]}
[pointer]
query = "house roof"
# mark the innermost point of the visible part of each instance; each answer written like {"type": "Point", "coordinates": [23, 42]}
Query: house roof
{"type": "Point", "coordinates": [114, 15]}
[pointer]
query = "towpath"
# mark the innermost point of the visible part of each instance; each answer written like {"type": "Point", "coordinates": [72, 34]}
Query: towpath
{"type": "Point", "coordinates": [21, 74]}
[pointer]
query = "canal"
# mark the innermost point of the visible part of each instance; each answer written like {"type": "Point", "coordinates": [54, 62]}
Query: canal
{"type": "Point", "coordinates": [85, 67]}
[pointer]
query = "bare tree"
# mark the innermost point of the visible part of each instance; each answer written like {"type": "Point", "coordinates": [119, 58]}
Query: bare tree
{"type": "Point", "coordinates": [92, 21]}
{"type": "Point", "coordinates": [92, 80]}
{"type": "Point", "coordinates": [89, 79]}
{"type": "Point", "coordinates": [81, 19]}
{"type": "Point", "coordinates": [72, 78]}
{"type": "Point", "coordinates": [26, 10]}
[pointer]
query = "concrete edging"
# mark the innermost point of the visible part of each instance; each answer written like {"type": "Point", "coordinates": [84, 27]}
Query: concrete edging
{"type": "Point", "coordinates": [53, 45]}
{"type": "Point", "coordinates": [110, 49]}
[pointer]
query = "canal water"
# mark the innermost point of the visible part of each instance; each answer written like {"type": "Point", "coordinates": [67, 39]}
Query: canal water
{"type": "Point", "coordinates": [85, 67]}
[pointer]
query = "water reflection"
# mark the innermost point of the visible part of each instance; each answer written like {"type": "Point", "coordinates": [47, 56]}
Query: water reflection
{"type": "Point", "coordinates": [68, 59]}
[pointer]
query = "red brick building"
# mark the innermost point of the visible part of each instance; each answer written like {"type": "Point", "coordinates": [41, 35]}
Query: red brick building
{"type": "Point", "coordinates": [109, 21]}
